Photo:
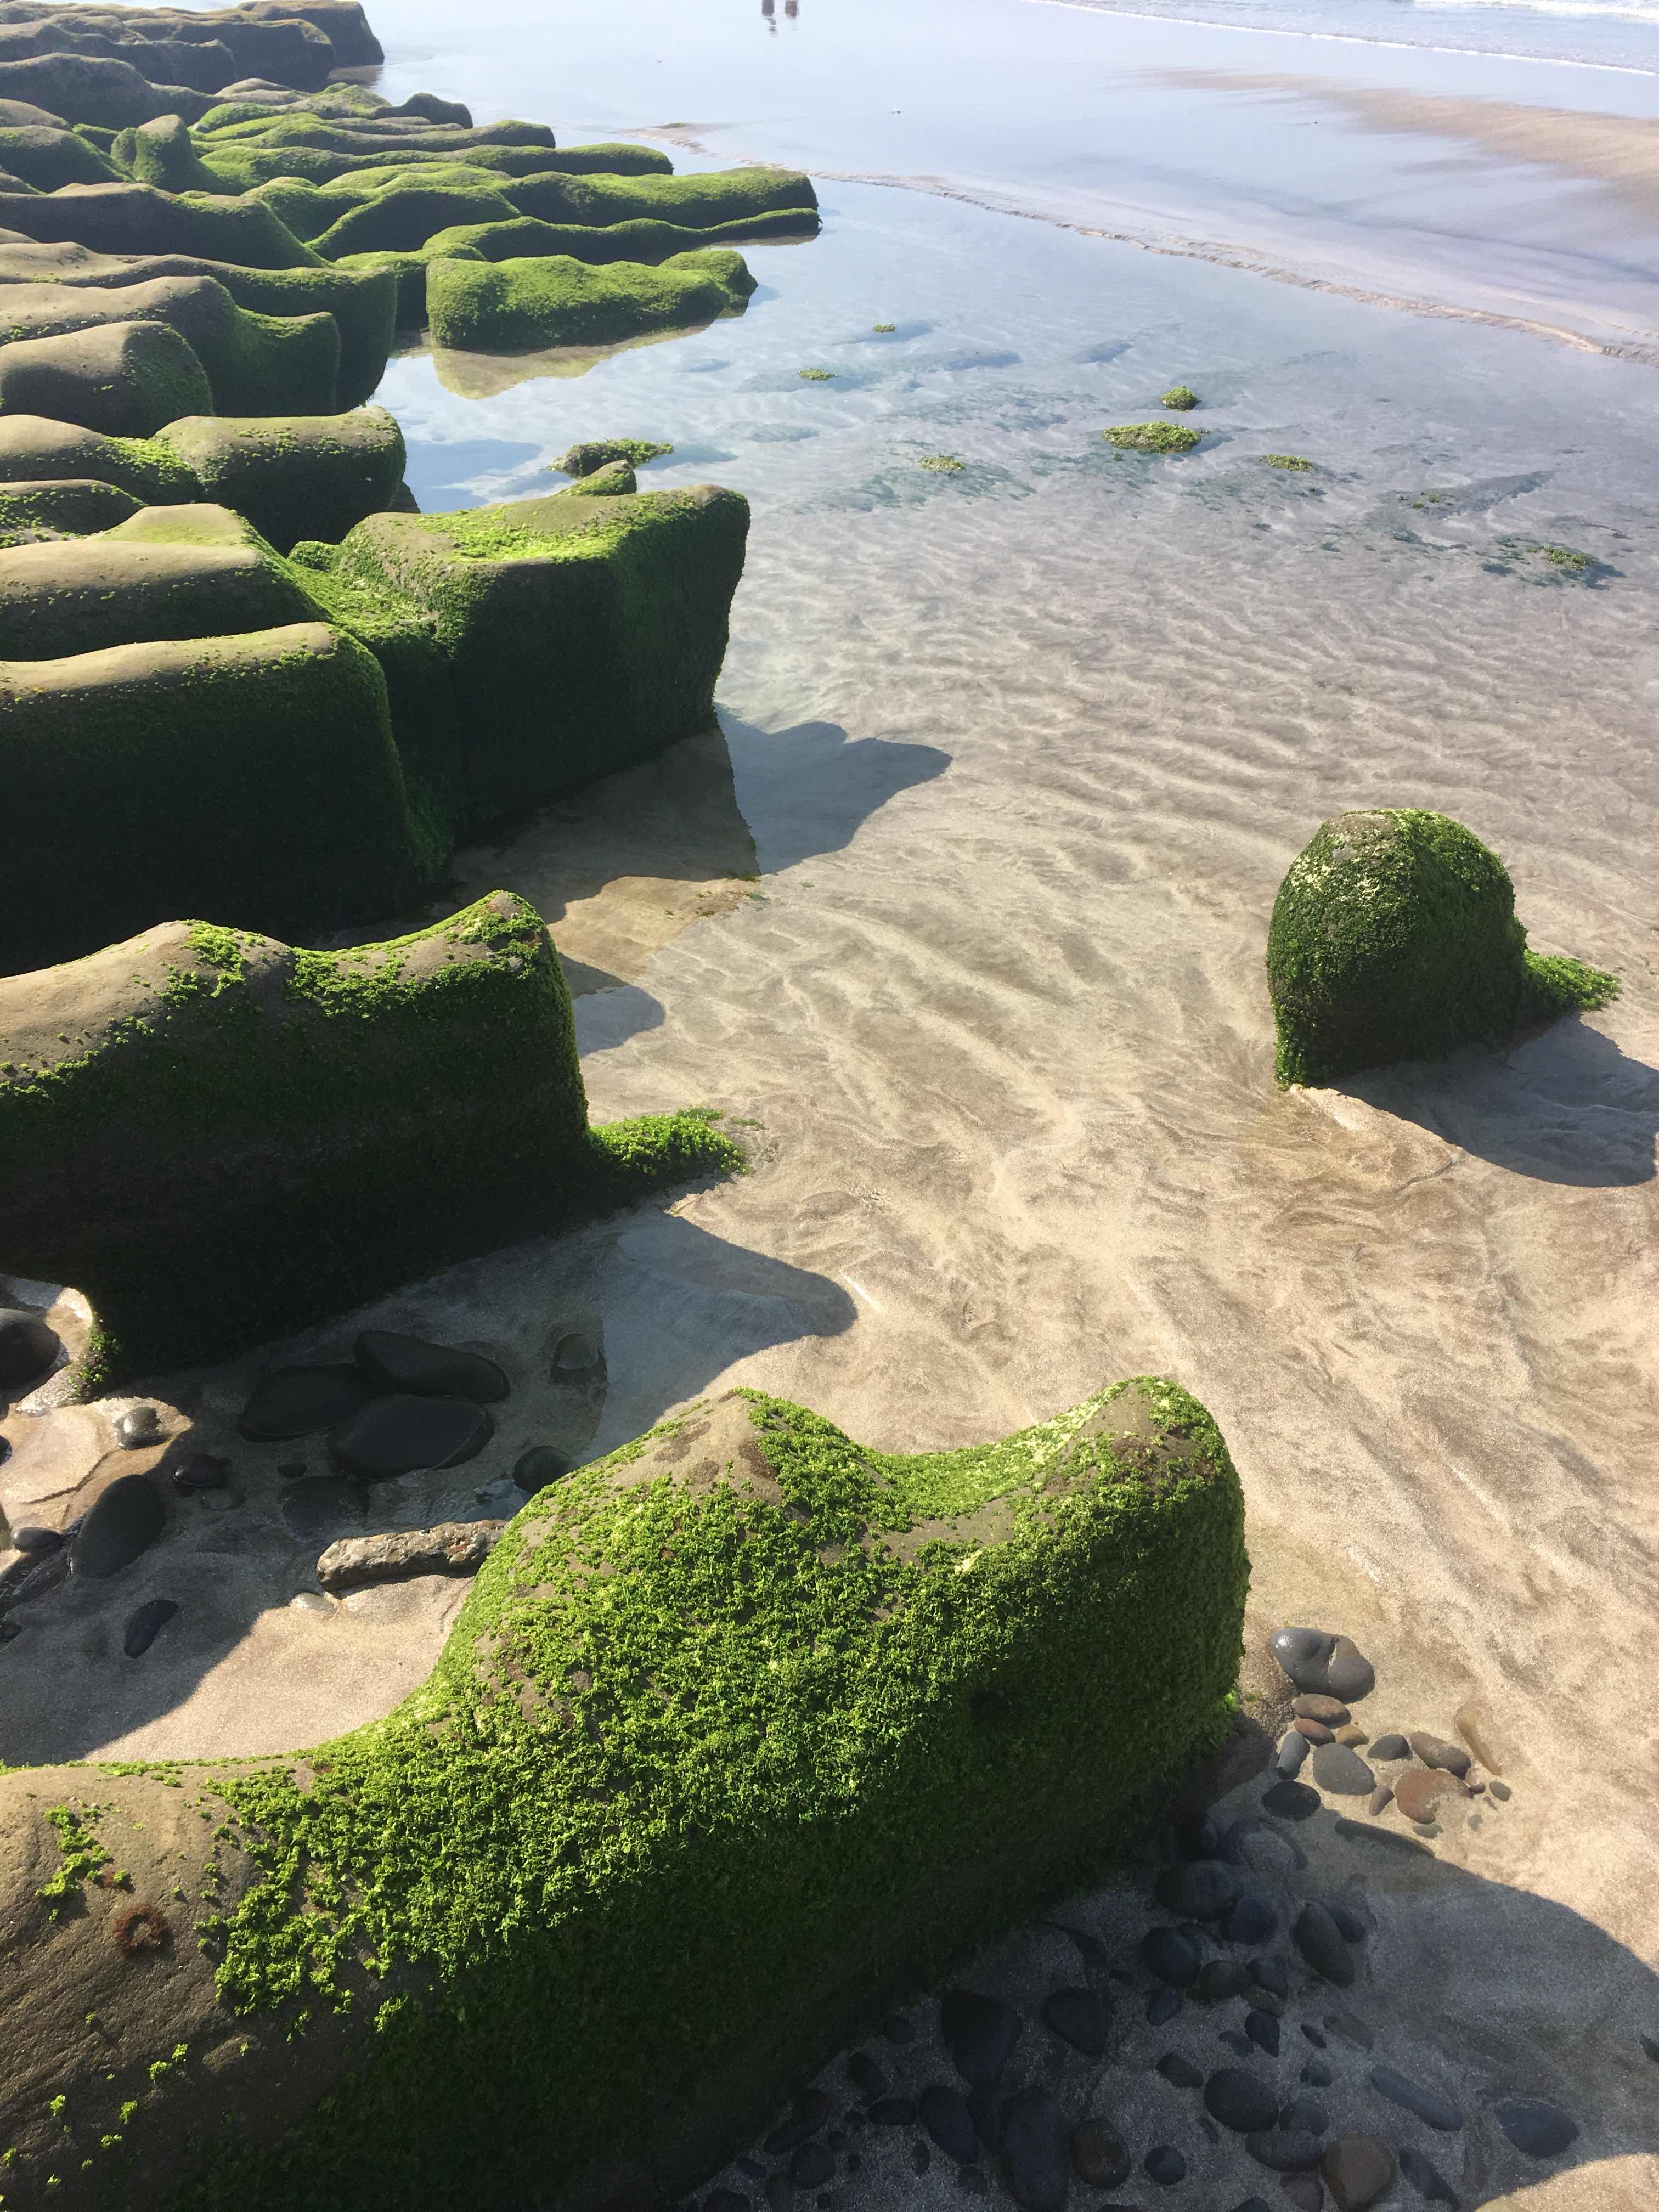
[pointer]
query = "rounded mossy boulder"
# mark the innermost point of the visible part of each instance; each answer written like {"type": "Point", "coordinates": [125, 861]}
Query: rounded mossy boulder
{"type": "Point", "coordinates": [1152, 437]}
{"type": "Point", "coordinates": [517, 306]}
{"type": "Point", "coordinates": [124, 379]}
{"type": "Point", "coordinates": [1395, 937]}
{"type": "Point", "coordinates": [741, 1732]}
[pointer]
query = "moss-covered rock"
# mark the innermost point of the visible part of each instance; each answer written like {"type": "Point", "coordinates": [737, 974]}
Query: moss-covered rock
{"type": "Point", "coordinates": [140, 219]}
{"type": "Point", "coordinates": [740, 1731]}
{"type": "Point", "coordinates": [1395, 937]}
{"type": "Point", "coordinates": [96, 88]}
{"type": "Point", "coordinates": [519, 306]}
{"type": "Point", "coordinates": [36, 446]}
{"type": "Point", "coordinates": [252, 776]}
{"type": "Point", "coordinates": [1152, 437]}
{"type": "Point", "coordinates": [68, 507]}
{"type": "Point", "coordinates": [162, 153]}
{"type": "Point", "coordinates": [598, 452]}
{"type": "Point", "coordinates": [717, 195]}
{"type": "Point", "coordinates": [124, 378]}
{"type": "Point", "coordinates": [48, 158]}
{"type": "Point", "coordinates": [295, 476]}
{"type": "Point", "coordinates": [1181, 396]}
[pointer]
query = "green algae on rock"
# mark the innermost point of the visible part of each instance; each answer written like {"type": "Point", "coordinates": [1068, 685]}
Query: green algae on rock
{"type": "Point", "coordinates": [1152, 437]}
{"type": "Point", "coordinates": [312, 476]}
{"type": "Point", "coordinates": [1180, 396]}
{"type": "Point", "coordinates": [124, 379]}
{"type": "Point", "coordinates": [1294, 462]}
{"type": "Point", "coordinates": [218, 1138]}
{"type": "Point", "coordinates": [595, 452]}
{"type": "Point", "coordinates": [523, 305]}
{"type": "Point", "coordinates": [1395, 937]}
{"type": "Point", "coordinates": [740, 1731]}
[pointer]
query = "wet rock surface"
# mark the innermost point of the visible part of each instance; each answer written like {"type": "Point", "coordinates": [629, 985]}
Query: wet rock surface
{"type": "Point", "coordinates": [303, 1401]}
{"type": "Point", "coordinates": [450, 1548]}
{"type": "Point", "coordinates": [396, 1363]}
{"type": "Point", "coordinates": [404, 1434]}
{"type": "Point", "coordinates": [125, 1520]}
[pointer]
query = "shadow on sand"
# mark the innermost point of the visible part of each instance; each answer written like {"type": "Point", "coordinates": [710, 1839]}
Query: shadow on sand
{"type": "Point", "coordinates": [809, 788]}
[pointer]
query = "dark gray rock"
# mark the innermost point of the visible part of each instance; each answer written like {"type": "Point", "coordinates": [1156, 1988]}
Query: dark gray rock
{"type": "Point", "coordinates": [811, 2110]}
{"type": "Point", "coordinates": [1251, 1920]}
{"type": "Point", "coordinates": [1200, 1889]}
{"type": "Point", "coordinates": [534, 1469]}
{"type": "Point", "coordinates": [575, 1358]}
{"type": "Point", "coordinates": [1315, 2035]}
{"type": "Point", "coordinates": [1351, 2030]}
{"type": "Point", "coordinates": [1390, 1747]}
{"type": "Point", "coordinates": [987, 2110]}
{"type": "Point", "coordinates": [1284, 2150]}
{"type": "Point", "coordinates": [1079, 2017]}
{"type": "Point", "coordinates": [398, 1435]}
{"type": "Point", "coordinates": [1358, 2170]}
{"type": "Point", "coordinates": [1179, 2072]}
{"type": "Point", "coordinates": [1252, 2204]}
{"type": "Point", "coordinates": [979, 2033]}
{"type": "Point", "coordinates": [429, 1370]}
{"type": "Point", "coordinates": [34, 1539]}
{"type": "Point", "coordinates": [1380, 1799]}
{"type": "Point", "coordinates": [1340, 1770]}
{"type": "Point", "coordinates": [920, 2158]}
{"type": "Point", "coordinates": [1435, 1751]}
{"type": "Point", "coordinates": [1292, 1800]}
{"type": "Point", "coordinates": [28, 1349]}
{"type": "Point", "coordinates": [1540, 2130]}
{"type": "Point", "coordinates": [1240, 2046]}
{"type": "Point", "coordinates": [1100, 2155]}
{"type": "Point", "coordinates": [1293, 1749]}
{"type": "Point", "coordinates": [139, 1427]}
{"type": "Point", "coordinates": [1349, 1926]}
{"type": "Point", "coordinates": [36, 1574]}
{"type": "Point", "coordinates": [894, 2113]}
{"type": "Point", "coordinates": [1163, 2005]}
{"type": "Point", "coordinates": [452, 1548]}
{"type": "Point", "coordinates": [1425, 2177]}
{"type": "Point", "coordinates": [1197, 1836]}
{"type": "Point", "coordinates": [812, 2165]}
{"type": "Point", "coordinates": [945, 2116]}
{"type": "Point", "coordinates": [1303, 1654]}
{"type": "Point", "coordinates": [1170, 1956]}
{"type": "Point", "coordinates": [203, 1470]}
{"type": "Point", "coordinates": [1317, 2074]}
{"type": "Point", "coordinates": [1311, 1706]}
{"type": "Point", "coordinates": [1315, 1731]}
{"type": "Point", "coordinates": [1222, 1979]}
{"type": "Point", "coordinates": [1349, 1673]}
{"type": "Point", "coordinates": [302, 1401]}
{"type": "Point", "coordinates": [1316, 1935]}
{"type": "Point", "coordinates": [319, 1505]}
{"type": "Point", "coordinates": [1243, 2101]}
{"type": "Point", "coordinates": [1428, 2105]}
{"type": "Point", "coordinates": [1165, 2165]}
{"type": "Point", "coordinates": [146, 1623]}
{"type": "Point", "coordinates": [1271, 1974]}
{"type": "Point", "coordinates": [1650, 2044]}
{"type": "Point", "coordinates": [1303, 2113]}
{"type": "Point", "coordinates": [1500, 1791]}
{"type": "Point", "coordinates": [124, 1521]}
{"type": "Point", "coordinates": [1420, 1792]}
{"type": "Point", "coordinates": [1263, 2031]}
{"type": "Point", "coordinates": [1035, 2162]}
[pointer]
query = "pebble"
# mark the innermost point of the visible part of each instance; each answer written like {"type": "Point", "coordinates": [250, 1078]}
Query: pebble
{"type": "Point", "coordinates": [145, 1623]}
{"type": "Point", "coordinates": [1500, 1791]}
{"type": "Point", "coordinates": [1293, 1749]}
{"type": "Point", "coordinates": [28, 1348]}
{"type": "Point", "coordinates": [1315, 2035]}
{"type": "Point", "coordinates": [1315, 1731]}
{"type": "Point", "coordinates": [318, 1505]}
{"type": "Point", "coordinates": [1165, 2165]}
{"type": "Point", "coordinates": [1252, 1843]}
{"type": "Point", "coordinates": [808, 2115]}
{"type": "Point", "coordinates": [542, 1464]}
{"type": "Point", "coordinates": [1349, 1925]}
{"type": "Point", "coordinates": [1241, 2100]}
{"type": "Point", "coordinates": [1435, 1751]}
{"type": "Point", "coordinates": [1100, 2155]}
{"type": "Point", "coordinates": [125, 1520]}
{"type": "Point", "coordinates": [1542, 2130]}
{"type": "Point", "coordinates": [431, 1371]}
{"type": "Point", "coordinates": [1421, 1789]}
{"type": "Point", "coordinates": [1318, 1938]}
{"type": "Point", "coordinates": [944, 2114]}
{"type": "Point", "coordinates": [1391, 1746]}
{"type": "Point", "coordinates": [1163, 2005]}
{"type": "Point", "coordinates": [893, 2112]}
{"type": "Point", "coordinates": [1650, 2044]}
{"type": "Point", "coordinates": [1304, 2190]}
{"type": "Point", "coordinates": [31, 1538]}
{"type": "Point", "coordinates": [1426, 2179]}
{"type": "Point", "coordinates": [301, 1402]}
{"type": "Point", "coordinates": [1179, 2071]}
{"type": "Point", "coordinates": [1271, 1974]}
{"type": "Point", "coordinates": [1352, 1736]}
{"type": "Point", "coordinates": [574, 1358]}
{"type": "Point", "coordinates": [1222, 1979]}
{"type": "Point", "coordinates": [1284, 2150]}
{"type": "Point", "coordinates": [1263, 2031]}
{"type": "Point", "coordinates": [1380, 1799]}
{"type": "Point", "coordinates": [812, 2165]}
{"type": "Point", "coordinates": [402, 1435]}
{"type": "Point", "coordinates": [1351, 2030]}
{"type": "Point", "coordinates": [1171, 1957]}
{"type": "Point", "coordinates": [1079, 2017]}
{"type": "Point", "coordinates": [866, 2077]}
{"type": "Point", "coordinates": [1292, 1800]}
{"type": "Point", "coordinates": [979, 2033]}
{"type": "Point", "coordinates": [1317, 1661]}
{"type": "Point", "coordinates": [1253, 2204]}
{"type": "Point", "coordinates": [205, 1471]}
{"type": "Point", "coordinates": [1034, 2150]}
{"type": "Point", "coordinates": [1302, 2112]}
{"type": "Point", "coordinates": [1310, 1706]}
{"type": "Point", "coordinates": [1252, 1920]}
{"type": "Point", "coordinates": [1200, 1890]}
{"type": "Point", "coordinates": [1317, 2075]}
{"type": "Point", "coordinates": [1198, 1836]}
{"type": "Point", "coordinates": [1342, 1771]}
{"type": "Point", "coordinates": [1429, 2106]}
{"type": "Point", "coordinates": [139, 1426]}
{"type": "Point", "coordinates": [1349, 1673]}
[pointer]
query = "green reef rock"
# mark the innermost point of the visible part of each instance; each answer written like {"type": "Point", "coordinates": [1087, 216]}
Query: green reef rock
{"type": "Point", "coordinates": [1293, 462]}
{"type": "Point", "coordinates": [124, 378]}
{"type": "Point", "coordinates": [218, 1138]}
{"type": "Point", "coordinates": [1394, 936]}
{"type": "Point", "coordinates": [597, 452]}
{"type": "Point", "coordinates": [1181, 396]}
{"type": "Point", "coordinates": [520, 307]}
{"type": "Point", "coordinates": [126, 218]}
{"type": "Point", "coordinates": [1152, 437]}
{"type": "Point", "coordinates": [740, 1732]}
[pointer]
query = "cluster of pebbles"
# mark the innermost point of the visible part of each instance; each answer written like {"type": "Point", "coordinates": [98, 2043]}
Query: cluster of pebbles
{"type": "Point", "coordinates": [1213, 2036]}
{"type": "Point", "coordinates": [400, 1406]}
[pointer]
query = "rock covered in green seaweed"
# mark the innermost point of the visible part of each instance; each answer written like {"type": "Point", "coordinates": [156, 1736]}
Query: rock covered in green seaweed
{"type": "Point", "coordinates": [1181, 396]}
{"type": "Point", "coordinates": [1395, 937]}
{"type": "Point", "coordinates": [1152, 437]}
{"type": "Point", "coordinates": [594, 452]}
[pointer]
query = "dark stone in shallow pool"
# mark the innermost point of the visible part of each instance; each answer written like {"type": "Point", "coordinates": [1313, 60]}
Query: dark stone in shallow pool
{"type": "Point", "coordinates": [1429, 2106]}
{"type": "Point", "coordinates": [979, 2033]}
{"type": "Point", "coordinates": [125, 1520]}
{"type": "Point", "coordinates": [1034, 2146]}
{"type": "Point", "coordinates": [1100, 2155]}
{"type": "Point", "coordinates": [318, 1505]}
{"type": "Point", "coordinates": [1243, 2102]}
{"type": "Point", "coordinates": [1170, 1956]}
{"type": "Point", "coordinates": [300, 1401]}
{"type": "Point", "coordinates": [28, 1348]}
{"type": "Point", "coordinates": [534, 1469]}
{"type": "Point", "coordinates": [397, 1436]}
{"type": "Point", "coordinates": [1540, 2130]}
{"type": "Point", "coordinates": [1321, 1943]}
{"type": "Point", "coordinates": [944, 2114]}
{"type": "Point", "coordinates": [429, 1370]}
{"type": "Point", "coordinates": [1165, 2166]}
{"type": "Point", "coordinates": [146, 1625]}
{"type": "Point", "coordinates": [1079, 2017]}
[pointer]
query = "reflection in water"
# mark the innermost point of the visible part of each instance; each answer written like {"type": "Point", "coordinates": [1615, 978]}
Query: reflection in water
{"type": "Point", "coordinates": [791, 8]}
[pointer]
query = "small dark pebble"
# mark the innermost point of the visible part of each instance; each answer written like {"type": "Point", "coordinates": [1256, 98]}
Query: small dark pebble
{"type": "Point", "coordinates": [811, 2110]}
{"type": "Point", "coordinates": [1540, 2130]}
{"type": "Point", "coordinates": [979, 2033]}
{"type": "Point", "coordinates": [1500, 1791]}
{"type": "Point", "coordinates": [1170, 1956]}
{"type": "Point", "coordinates": [1292, 1750]}
{"type": "Point", "coordinates": [1351, 2029]}
{"type": "Point", "coordinates": [534, 1469]}
{"type": "Point", "coordinates": [1315, 1731]}
{"type": "Point", "coordinates": [1271, 1974]}
{"type": "Point", "coordinates": [893, 2112]}
{"type": "Point", "coordinates": [1284, 2150]}
{"type": "Point", "coordinates": [1265, 2001]}
{"type": "Point", "coordinates": [1200, 1890]}
{"type": "Point", "coordinates": [1163, 2005]}
{"type": "Point", "coordinates": [1650, 2044]}
{"type": "Point", "coordinates": [146, 1623]}
{"type": "Point", "coordinates": [290, 1469]}
{"type": "Point", "coordinates": [139, 1426]}
{"type": "Point", "coordinates": [1425, 2177]}
{"type": "Point", "coordinates": [1243, 2102]}
{"type": "Point", "coordinates": [1349, 1925]}
{"type": "Point", "coordinates": [1222, 1979]}
{"type": "Point", "coordinates": [1197, 1835]}
{"type": "Point", "coordinates": [1292, 1800]}
{"type": "Point", "coordinates": [206, 1471]}
{"type": "Point", "coordinates": [813, 2165]}
{"type": "Point", "coordinates": [1165, 2166]}
{"type": "Point", "coordinates": [1429, 2106]}
{"type": "Point", "coordinates": [1303, 2113]}
{"type": "Point", "coordinates": [1339, 1769]}
{"type": "Point", "coordinates": [1380, 1799]}
{"type": "Point", "coordinates": [945, 2116]}
{"type": "Point", "coordinates": [1252, 1920]}
{"type": "Point", "coordinates": [1079, 2017]}
{"type": "Point", "coordinates": [32, 1538]}
{"type": "Point", "coordinates": [1317, 2075]}
{"type": "Point", "coordinates": [1237, 2043]}
{"type": "Point", "coordinates": [866, 2076]}
{"type": "Point", "coordinates": [920, 2158]}
{"type": "Point", "coordinates": [1263, 2031]}
{"type": "Point", "coordinates": [1320, 1942]}
{"type": "Point", "coordinates": [1315, 2035]}
{"type": "Point", "coordinates": [1179, 2070]}
{"type": "Point", "coordinates": [898, 2029]}
{"type": "Point", "coordinates": [1392, 1746]}
{"type": "Point", "coordinates": [1034, 2150]}
{"type": "Point", "coordinates": [1100, 2155]}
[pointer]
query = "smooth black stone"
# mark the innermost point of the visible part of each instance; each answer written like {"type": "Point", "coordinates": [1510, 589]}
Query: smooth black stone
{"type": "Point", "coordinates": [206, 1471]}
{"type": "Point", "coordinates": [146, 1623]}
{"type": "Point", "coordinates": [812, 2165]}
{"type": "Point", "coordinates": [1292, 1800]}
{"type": "Point", "coordinates": [1201, 1889]}
{"type": "Point", "coordinates": [1284, 2150]}
{"type": "Point", "coordinates": [574, 1358]}
{"type": "Point", "coordinates": [897, 2029]}
{"type": "Point", "coordinates": [1162, 2005]}
{"type": "Point", "coordinates": [1034, 2150]}
{"type": "Point", "coordinates": [28, 1348]}
{"type": "Point", "coordinates": [318, 1506]}
{"type": "Point", "coordinates": [945, 2116]}
{"type": "Point", "coordinates": [1540, 2130]}
{"type": "Point", "coordinates": [893, 2112]}
{"type": "Point", "coordinates": [138, 1427]}
{"type": "Point", "coordinates": [1316, 1936]}
{"type": "Point", "coordinates": [1222, 1979]}
{"type": "Point", "coordinates": [1302, 1654]}
{"type": "Point", "coordinates": [1250, 1920]}
{"type": "Point", "coordinates": [1180, 2071]}
{"type": "Point", "coordinates": [1100, 2155]}
{"type": "Point", "coordinates": [302, 1401]}
{"type": "Point", "coordinates": [124, 1521]}
{"type": "Point", "coordinates": [1303, 2114]}
{"type": "Point", "coordinates": [1425, 2177]}
{"type": "Point", "coordinates": [1389, 1746]}
{"type": "Point", "coordinates": [1351, 2029]}
{"type": "Point", "coordinates": [979, 2033]}
{"type": "Point", "coordinates": [534, 1469]}
{"type": "Point", "coordinates": [986, 2114]}
{"type": "Point", "coordinates": [1079, 2017]}
{"type": "Point", "coordinates": [1339, 1769]}
{"type": "Point", "coordinates": [1293, 1749]}
{"type": "Point", "coordinates": [1263, 2031]}
{"type": "Point", "coordinates": [866, 2077]}
{"type": "Point", "coordinates": [1240, 2046]}
{"type": "Point", "coordinates": [430, 1370]}
{"type": "Point", "coordinates": [811, 2110]}
{"type": "Point", "coordinates": [920, 2158]}
{"type": "Point", "coordinates": [1165, 2166]}
{"type": "Point", "coordinates": [1317, 2075]}
{"type": "Point", "coordinates": [1243, 2102]}
{"type": "Point", "coordinates": [1271, 1975]}
{"type": "Point", "coordinates": [397, 1436]}
{"type": "Point", "coordinates": [1429, 2106]}
{"type": "Point", "coordinates": [1170, 1956]}
{"type": "Point", "coordinates": [1349, 1925]}
{"type": "Point", "coordinates": [30, 1538]}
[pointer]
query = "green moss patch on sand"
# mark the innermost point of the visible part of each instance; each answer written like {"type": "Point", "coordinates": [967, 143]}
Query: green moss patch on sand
{"type": "Point", "coordinates": [1395, 937]}
{"type": "Point", "coordinates": [1152, 437]}
{"type": "Point", "coordinates": [740, 1731]}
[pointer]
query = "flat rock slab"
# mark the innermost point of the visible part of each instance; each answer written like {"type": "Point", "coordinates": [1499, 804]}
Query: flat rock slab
{"type": "Point", "coordinates": [429, 1371]}
{"type": "Point", "coordinates": [124, 1521]}
{"type": "Point", "coordinates": [302, 1401]}
{"type": "Point", "coordinates": [403, 1434]}
{"type": "Point", "coordinates": [451, 1548]}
